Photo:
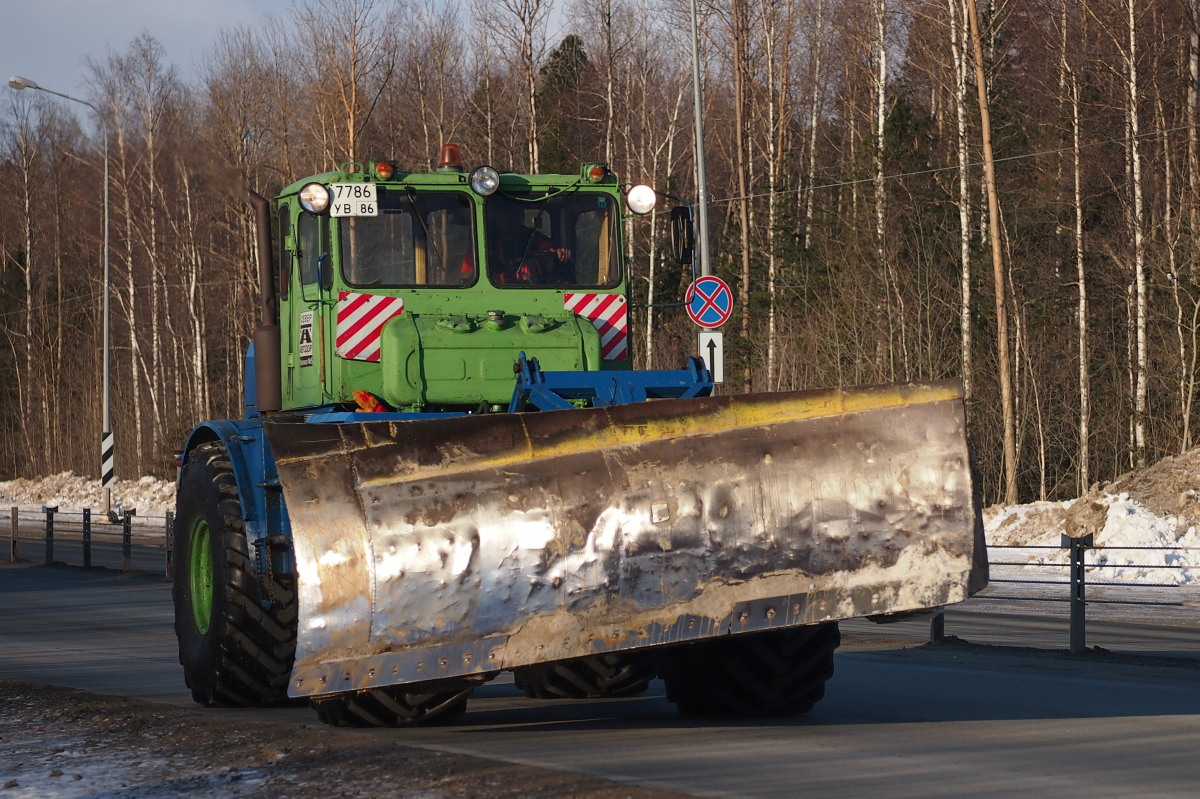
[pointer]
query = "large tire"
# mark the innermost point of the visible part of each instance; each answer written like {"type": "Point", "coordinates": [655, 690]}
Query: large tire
{"type": "Point", "coordinates": [236, 644]}
{"type": "Point", "coordinates": [773, 673]}
{"type": "Point", "coordinates": [419, 705]}
{"type": "Point", "coordinates": [594, 677]}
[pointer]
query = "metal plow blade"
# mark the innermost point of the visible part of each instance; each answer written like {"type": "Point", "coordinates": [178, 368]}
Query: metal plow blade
{"type": "Point", "coordinates": [449, 547]}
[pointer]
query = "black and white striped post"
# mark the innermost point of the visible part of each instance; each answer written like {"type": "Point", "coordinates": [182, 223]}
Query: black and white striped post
{"type": "Point", "coordinates": [108, 461]}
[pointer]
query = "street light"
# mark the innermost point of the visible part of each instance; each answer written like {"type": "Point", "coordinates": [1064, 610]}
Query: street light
{"type": "Point", "coordinates": [107, 446]}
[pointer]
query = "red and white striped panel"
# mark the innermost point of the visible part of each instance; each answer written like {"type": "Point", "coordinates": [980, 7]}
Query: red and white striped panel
{"type": "Point", "coordinates": [360, 321]}
{"type": "Point", "coordinates": [610, 314]}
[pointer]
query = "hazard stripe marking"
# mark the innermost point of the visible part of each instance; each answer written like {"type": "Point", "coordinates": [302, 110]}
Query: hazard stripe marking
{"type": "Point", "coordinates": [360, 321]}
{"type": "Point", "coordinates": [108, 460]}
{"type": "Point", "coordinates": [610, 315]}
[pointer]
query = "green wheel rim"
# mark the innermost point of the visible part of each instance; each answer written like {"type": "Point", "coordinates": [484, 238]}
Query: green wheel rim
{"type": "Point", "coordinates": [200, 575]}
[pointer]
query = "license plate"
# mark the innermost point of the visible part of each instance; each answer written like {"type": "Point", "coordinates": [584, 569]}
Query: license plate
{"type": "Point", "coordinates": [353, 199]}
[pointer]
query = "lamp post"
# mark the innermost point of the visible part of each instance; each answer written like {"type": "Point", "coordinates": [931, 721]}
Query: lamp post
{"type": "Point", "coordinates": [107, 447]}
{"type": "Point", "coordinates": [698, 120]}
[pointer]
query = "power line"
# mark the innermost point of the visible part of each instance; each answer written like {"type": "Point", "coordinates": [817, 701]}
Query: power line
{"type": "Point", "coordinates": [936, 170]}
{"type": "Point", "coordinates": [94, 296]}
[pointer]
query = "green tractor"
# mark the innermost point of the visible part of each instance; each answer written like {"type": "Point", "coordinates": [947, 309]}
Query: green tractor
{"type": "Point", "coordinates": [448, 468]}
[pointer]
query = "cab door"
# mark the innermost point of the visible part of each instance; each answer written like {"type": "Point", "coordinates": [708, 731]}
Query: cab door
{"type": "Point", "coordinates": [305, 252]}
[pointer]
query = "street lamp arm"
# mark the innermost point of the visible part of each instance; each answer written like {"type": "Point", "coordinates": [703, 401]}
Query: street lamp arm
{"type": "Point", "coordinates": [18, 83]}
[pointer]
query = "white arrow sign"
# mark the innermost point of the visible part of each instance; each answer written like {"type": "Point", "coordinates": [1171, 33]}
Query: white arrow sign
{"type": "Point", "coordinates": [712, 350]}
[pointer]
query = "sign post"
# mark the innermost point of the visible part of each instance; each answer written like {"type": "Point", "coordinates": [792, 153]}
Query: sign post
{"type": "Point", "coordinates": [710, 304]}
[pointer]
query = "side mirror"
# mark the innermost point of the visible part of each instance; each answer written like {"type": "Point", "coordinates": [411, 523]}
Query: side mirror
{"type": "Point", "coordinates": [683, 235]}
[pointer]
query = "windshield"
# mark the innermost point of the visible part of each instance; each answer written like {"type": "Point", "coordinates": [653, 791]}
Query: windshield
{"type": "Point", "coordinates": [568, 239]}
{"type": "Point", "coordinates": [418, 239]}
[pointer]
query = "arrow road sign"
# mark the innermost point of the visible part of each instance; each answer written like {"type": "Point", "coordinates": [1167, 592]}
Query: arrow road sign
{"type": "Point", "coordinates": [712, 350]}
{"type": "Point", "coordinates": [709, 301]}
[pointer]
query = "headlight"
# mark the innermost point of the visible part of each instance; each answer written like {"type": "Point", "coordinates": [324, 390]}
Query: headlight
{"type": "Point", "coordinates": [315, 198]}
{"type": "Point", "coordinates": [641, 199]}
{"type": "Point", "coordinates": [485, 181]}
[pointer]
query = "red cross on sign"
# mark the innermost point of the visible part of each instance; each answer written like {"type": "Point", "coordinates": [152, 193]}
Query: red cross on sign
{"type": "Point", "coordinates": [709, 301]}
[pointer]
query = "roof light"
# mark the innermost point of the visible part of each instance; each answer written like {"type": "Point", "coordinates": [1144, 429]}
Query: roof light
{"type": "Point", "coordinates": [314, 198]}
{"type": "Point", "coordinates": [450, 159]}
{"type": "Point", "coordinates": [641, 199]}
{"type": "Point", "coordinates": [484, 181]}
{"type": "Point", "coordinates": [597, 172]}
{"type": "Point", "coordinates": [384, 170]}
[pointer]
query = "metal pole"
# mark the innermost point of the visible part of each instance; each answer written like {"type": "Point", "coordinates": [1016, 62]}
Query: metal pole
{"type": "Point", "coordinates": [87, 538]}
{"type": "Point", "coordinates": [169, 548]}
{"type": "Point", "coordinates": [49, 559]}
{"type": "Point", "coordinates": [107, 442]}
{"type": "Point", "coordinates": [127, 542]}
{"type": "Point", "coordinates": [698, 114]}
{"type": "Point", "coordinates": [1076, 548]}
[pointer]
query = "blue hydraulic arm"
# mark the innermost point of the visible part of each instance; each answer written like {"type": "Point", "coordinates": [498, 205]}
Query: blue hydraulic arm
{"type": "Point", "coordinates": [563, 390]}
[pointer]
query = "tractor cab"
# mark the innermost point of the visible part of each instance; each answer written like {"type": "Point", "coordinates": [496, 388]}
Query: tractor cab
{"type": "Point", "coordinates": [418, 291]}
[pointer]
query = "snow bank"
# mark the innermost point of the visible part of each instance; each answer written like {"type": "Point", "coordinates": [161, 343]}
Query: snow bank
{"type": "Point", "coordinates": [149, 496]}
{"type": "Point", "coordinates": [1133, 544]}
{"type": "Point", "coordinates": [1146, 525]}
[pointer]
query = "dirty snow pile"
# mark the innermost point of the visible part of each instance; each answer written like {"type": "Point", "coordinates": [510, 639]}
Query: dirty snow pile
{"type": "Point", "coordinates": [149, 496]}
{"type": "Point", "coordinates": [1146, 528]}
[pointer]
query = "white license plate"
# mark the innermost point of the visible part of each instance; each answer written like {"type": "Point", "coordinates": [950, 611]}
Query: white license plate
{"type": "Point", "coordinates": [353, 199]}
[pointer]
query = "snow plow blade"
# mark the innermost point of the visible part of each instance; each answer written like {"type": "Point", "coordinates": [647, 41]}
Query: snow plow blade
{"type": "Point", "coordinates": [446, 548]}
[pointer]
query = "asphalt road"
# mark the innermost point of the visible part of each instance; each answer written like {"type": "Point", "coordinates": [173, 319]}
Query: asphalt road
{"type": "Point", "coordinates": [900, 719]}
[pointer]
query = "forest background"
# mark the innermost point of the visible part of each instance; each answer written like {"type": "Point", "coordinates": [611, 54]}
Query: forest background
{"type": "Point", "coordinates": [846, 200]}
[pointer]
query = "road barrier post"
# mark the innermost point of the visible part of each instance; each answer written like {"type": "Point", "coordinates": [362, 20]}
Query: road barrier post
{"type": "Point", "coordinates": [937, 627]}
{"type": "Point", "coordinates": [127, 541]}
{"type": "Point", "coordinates": [87, 538]}
{"type": "Point", "coordinates": [49, 533]}
{"type": "Point", "coordinates": [1077, 546]}
{"type": "Point", "coordinates": [169, 546]}
{"type": "Point", "coordinates": [13, 538]}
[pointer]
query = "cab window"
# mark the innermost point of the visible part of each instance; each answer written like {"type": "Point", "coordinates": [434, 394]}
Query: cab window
{"type": "Point", "coordinates": [568, 239]}
{"type": "Point", "coordinates": [418, 239]}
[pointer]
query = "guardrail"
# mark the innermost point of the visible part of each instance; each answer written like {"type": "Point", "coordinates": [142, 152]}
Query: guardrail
{"type": "Point", "coordinates": [83, 538]}
{"type": "Point", "coordinates": [1084, 567]}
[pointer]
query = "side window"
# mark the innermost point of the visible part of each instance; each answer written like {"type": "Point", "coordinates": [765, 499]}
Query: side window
{"type": "Point", "coordinates": [313, 242]}
{"type": "Point", "coordinates": [283, 271]}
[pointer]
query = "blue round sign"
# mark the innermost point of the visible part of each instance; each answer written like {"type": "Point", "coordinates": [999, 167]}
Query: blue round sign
{"type": "Point", "coordinates": [709, 301]}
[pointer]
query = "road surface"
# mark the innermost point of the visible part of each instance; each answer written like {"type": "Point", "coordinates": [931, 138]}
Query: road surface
{"type": "Point", "coordinates": [900, 718]}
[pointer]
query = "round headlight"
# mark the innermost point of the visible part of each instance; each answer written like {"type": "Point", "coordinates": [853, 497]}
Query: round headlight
{"type": "Point", "coordinates": [315, 198]}
{"type": "Point", "coordinates": [641, 199]}
{"type": "Point", "coordinates": [485, 181]}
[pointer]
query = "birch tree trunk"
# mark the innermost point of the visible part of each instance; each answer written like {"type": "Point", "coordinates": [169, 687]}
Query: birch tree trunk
{"type": "Point", "coordinates": [1139, 244]}
{"type": "Point", "coordinates": [958, 50]}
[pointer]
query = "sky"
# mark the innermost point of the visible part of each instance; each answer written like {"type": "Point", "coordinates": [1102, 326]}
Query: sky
{"type": "Point", "coordinates": [50, 41]}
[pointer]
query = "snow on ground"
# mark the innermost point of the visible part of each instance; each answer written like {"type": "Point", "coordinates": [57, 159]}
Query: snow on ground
{"type": "Point", "coordinates": [1157, 507]}
{"type": "Point", "coordinates": [1146, 527]}
{"type": "Point", "coordinates": [149, 496]}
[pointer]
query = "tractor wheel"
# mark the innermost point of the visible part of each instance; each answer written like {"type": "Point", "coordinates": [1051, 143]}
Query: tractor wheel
{"type": "Point", "coordinates": [236, 644]}
{"type": "Point", "coordinates": [419, 705]}
{"type": "Point", "coordinates": [592, 677]}
{"type": "Point", "coordinates": [773, 673]}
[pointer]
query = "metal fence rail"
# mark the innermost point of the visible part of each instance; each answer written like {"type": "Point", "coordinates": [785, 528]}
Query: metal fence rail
{"type": "Point", "coordinates": [1084, 558]}
{"type": "Point", "coordinates": [83, 538]}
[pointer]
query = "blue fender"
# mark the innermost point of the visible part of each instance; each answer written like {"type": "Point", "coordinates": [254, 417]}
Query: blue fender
{"type": "Point", "coordinates": [261, 496]}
